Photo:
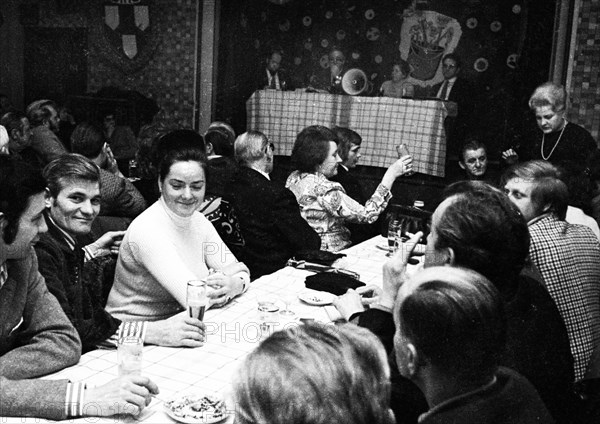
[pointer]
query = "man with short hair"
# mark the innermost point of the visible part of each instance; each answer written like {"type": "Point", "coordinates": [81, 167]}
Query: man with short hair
{"type": "Point", "coordinates": [450, 334]}
{"type": "Point", "coordinates": [473, 160]}
{"type": "Point", "coordinates": [272, 76]}
{"type": "Point", "coordinates": [73, 204]}
{"type": "Point", "coordinates": [119, 197]}
{"type": "Point", "coordinates": [268, 214]}
{"type": "Point", "coordinates": [19, 136]}
{"type": "Point", "coordinates": [477, 227]}
{"type": "Point", "coordinates": [566, 255]}
{"type": "Point", "coordinates": [44, 120]}
{"type": "Point", "coordinates": [36, 338]}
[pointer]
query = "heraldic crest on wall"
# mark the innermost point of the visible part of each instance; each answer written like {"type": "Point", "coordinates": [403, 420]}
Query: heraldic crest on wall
{"type": "Point", "coordinates": [127, 35]}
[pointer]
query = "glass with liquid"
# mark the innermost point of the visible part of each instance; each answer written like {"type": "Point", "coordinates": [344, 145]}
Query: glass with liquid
{"type": "Point", "coordinates": [196, 300]}
{"type": "Point", "coordinates": [393, 230]}
{"type": "Point", "coordinates": [402, 151]}
{"type": "Point", "coordinates": [129, 355]}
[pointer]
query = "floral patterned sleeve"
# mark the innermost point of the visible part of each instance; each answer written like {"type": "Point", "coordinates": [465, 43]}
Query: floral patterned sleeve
{"type": "Point", "coordinates": [335, 201]}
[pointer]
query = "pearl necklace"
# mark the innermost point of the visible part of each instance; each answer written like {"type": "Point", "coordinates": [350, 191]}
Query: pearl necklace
{"type": "Point", "coordinates": [557, 141]}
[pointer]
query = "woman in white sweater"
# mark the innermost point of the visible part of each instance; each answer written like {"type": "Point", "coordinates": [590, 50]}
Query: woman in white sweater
{"type": "Point", "coordinates": [171, 243]}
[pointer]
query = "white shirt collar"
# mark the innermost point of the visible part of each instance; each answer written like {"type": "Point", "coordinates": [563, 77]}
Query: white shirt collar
{"type": "Point", "coordinates": [267, 176]}
{"type": "Point", "coordinates": [3, 274]}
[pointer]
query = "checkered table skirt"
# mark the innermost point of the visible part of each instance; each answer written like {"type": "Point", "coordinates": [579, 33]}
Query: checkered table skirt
{"type": "Point", "coordinates": [382, 122]}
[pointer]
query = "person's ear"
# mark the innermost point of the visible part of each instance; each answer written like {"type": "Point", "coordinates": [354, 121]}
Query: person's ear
{"type": "Point", "coordinates": [412, 360]}
{"type": "Point", "coordinates": [48, 198]}
{"type": "Point", "coordinates": [209, 149]}
{"type": "Point", "coordinates": [462, 165]}
{"type": "Point", "coordinates": [451, 257]}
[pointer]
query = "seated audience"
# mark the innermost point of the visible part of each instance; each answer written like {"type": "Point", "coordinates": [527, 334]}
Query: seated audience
{"type": "Point", "coordinates": [44, 120]}
{"type": "Point", "coordinates": [146, 160]}
{"type": "Point", "coordinates": [397, 86]}
{"type": "Point", "coordinates": [269, 217]}
{"type": "Point", "coordinates": [19, 136]}
{"type": "Point", "coordinates": [171, 243]}
{"type": "Point", "coordinates": [349, 143]}
{"type": "Point", "coordinates": [477, 227]}
{"type": "Point", "coordinates": [74, 202]}
{"type": "Point", "coordinates": [566, 255]}
{"type": "Point", "coordinates": [323, 203]}
{"type": "Point", "coordinates": [473, 160]}
{"type": "Point", "coordinates": [450, 334]}
{"type": "Point", "coordinates": [120, 138]}
{"type": "Point", "coordinates": [315, 374]}
{"type": "Point", "coordinates": [219, 139]}
{"type": "Point", "coordinates": [36, 337]}
{"type": "Point", "coordinates": [118, 196]}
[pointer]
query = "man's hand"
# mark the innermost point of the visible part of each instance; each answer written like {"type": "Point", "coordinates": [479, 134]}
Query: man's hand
{"type": "Point", "coordinates": [108, 243]}
{"type": "Point", "coordinates": [394, 270]}
{"type": "Point", "coordinates": [348, 304]}
{"type": "Point", "coordinates": [129, 394]}
{"type": "Point", "coordinates": [510, 156]}
{"type": "Point", "coordinates": [179, 330]}
{"type": "Point", "coordinates": [369, 294]}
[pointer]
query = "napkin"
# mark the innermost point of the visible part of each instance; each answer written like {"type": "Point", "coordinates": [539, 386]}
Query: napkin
{"type": "Point", "coordinates": [333, 283]}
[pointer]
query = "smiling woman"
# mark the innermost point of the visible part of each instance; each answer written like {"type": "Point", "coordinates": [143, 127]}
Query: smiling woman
{"type": "Point", "coordinates": [171, 243]}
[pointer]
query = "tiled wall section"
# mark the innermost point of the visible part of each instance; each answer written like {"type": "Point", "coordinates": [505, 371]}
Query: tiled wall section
{"type": "Point", "coordinates": [585, 87]}
{"type": "Point", "coordinates": [168, 76]}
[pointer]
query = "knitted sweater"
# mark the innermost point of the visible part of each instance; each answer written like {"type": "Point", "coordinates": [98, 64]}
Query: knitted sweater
{"type": "Point", "coordinates": [160, 253]}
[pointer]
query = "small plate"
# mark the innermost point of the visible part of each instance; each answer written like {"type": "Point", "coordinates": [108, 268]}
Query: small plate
{"type": "Point", "coordinates": [197, 408]}
{"type": "Point", "coordinates": [316, 298]}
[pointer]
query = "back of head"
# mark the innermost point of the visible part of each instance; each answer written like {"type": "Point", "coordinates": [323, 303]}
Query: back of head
{"type": "Point", "coordinates": [18, 182]}
{"type": "Point", "coordinates": [311, 147]}
{"type": "Point", "coordinates": [68, 168]}
{"type": "Point", "coordinates": [485, 231]}
{"type": "Point", "coordinates": [455, 319]}
{"type": "Point", "coordinates": [250, 147]}
{"type": "Point", "coordinates": [345, 139]}
{"type": "Point", "coordinates": [13, 121]}
{"type": "Point", "coordinates": [222, 137]}
{"type": "Point", "coordinates": [39, 111]}
{"type": "Point", "coordinates": [315, 374]}
{"type": "Point", "coordinates": [549, 94]}
{"type": "Point", "coordinates": [549, 193]}
{"type": "Point", "coordinates": [148, 138]}
{"type": "Point", "coordinates": [180, 146]}
{"type": "Point", "coordinates": [88, 140]}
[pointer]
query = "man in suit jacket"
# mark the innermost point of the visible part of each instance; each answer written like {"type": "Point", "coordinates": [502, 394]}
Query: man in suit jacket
{"type": "Point", "coordinates": [460, 95]}
{"type": "Point", "coordinates": [272, 76]}
{"type": "Point", "coordinates": [268, 214]}
{"type": "Point", "coordinates": [36, 338]}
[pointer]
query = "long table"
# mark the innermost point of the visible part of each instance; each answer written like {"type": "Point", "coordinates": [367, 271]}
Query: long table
{"type": "Point", "coordinates": [382, 122]}
{"type": "Point", "coordinates": [232, 332]}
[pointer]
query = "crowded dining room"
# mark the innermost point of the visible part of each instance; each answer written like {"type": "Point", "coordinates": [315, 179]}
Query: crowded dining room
{"type": "Point", "coordinates": [300, 211]}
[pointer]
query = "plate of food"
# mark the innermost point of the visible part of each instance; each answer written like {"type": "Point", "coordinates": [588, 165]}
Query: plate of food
{"type": "Point", "coordinates": [316, 298]}
{"type": "Point", "coordinates": [196, 408]}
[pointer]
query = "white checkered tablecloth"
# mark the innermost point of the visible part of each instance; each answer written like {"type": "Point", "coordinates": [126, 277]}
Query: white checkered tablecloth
{"type": "Point", "coordinates": [232, 332]}
{"type": "Point", "coordinates": [382, 122]}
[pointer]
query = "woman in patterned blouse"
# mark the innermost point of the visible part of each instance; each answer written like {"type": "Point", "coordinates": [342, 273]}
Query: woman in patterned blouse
{"type": "Point", "coordinates": [323, 203]}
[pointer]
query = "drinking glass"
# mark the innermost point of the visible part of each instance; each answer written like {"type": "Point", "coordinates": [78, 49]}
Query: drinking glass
{"type": "Point", "coordinates": [267, 309]}
{"type": "Point", "coordinates": [402, 150]}
{"type": "Point", "coordinates": [288, 297]}
{"type": "Point", "coordinates": [129, 355]}
{"type": "Point", "coordinates": [196, 299]}
{"type": "Point", "coordinates": [393, 230]}
{"type": "Point", "coordinates": [133, 170]}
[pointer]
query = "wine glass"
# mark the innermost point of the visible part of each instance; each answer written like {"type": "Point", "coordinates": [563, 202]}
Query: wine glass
{"type": "Point", "coordinates": [287, 297]}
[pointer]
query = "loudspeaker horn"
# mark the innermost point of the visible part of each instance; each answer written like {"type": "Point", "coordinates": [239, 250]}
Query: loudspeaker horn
{"type": "Point", "coordinates": [355, 82]}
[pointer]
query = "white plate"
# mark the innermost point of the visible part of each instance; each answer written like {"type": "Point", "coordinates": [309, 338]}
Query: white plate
{"type": "Point", "coordinates": [316, 298]}
{"type": "Point", "coordinates": [180, 408]}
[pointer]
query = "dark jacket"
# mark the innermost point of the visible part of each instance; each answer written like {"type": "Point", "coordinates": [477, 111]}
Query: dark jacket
{"type": "Point", "coordinates": [81, 300]}
{"type": "Point", "coordinates": [262, 81]}
{"type": "Point", "coordinates": [270, 221]}
{"type": "Point", "coordinates": [537, 345]}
